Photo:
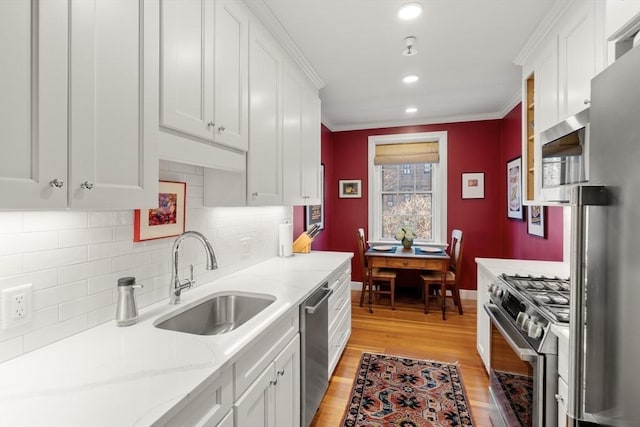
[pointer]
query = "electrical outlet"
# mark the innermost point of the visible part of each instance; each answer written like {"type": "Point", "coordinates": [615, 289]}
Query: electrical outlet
{"type": "Point", "coordinates": [245, 245]}
{"type": "Point", "coordinates": [16, 306]}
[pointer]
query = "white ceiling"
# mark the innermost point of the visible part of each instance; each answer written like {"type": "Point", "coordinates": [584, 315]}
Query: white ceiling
{"type": "Point", "coordinates": [466, 50]}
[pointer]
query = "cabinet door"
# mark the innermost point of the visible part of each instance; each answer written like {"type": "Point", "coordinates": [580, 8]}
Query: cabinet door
{"type": "Point", "coordinates": [310, 142]}
{"type": "Point", "coordinates": [231, 74]}
{"type": "Point", "coordinates": [287, 389]}
{"type": "Point", "coordinates": [483, 325]}
{"type": "Point", "coordinates": [301, 139]}
{"type": "Point", "coordinates": [114, 104]}
{"type": "Point", "coordinates": [227, 421]}
{"type": "Point", "coordinates": [255, 406]}
{"type": "Point", "coordinates": [264, 160]}
{"type": "Point", "coordinates": [546, 91]}
{"type": "Point", "coordinates": [186, 86]}
{"type": "Point", "coordinates": [33, 105]}
{"type": "Point", "coordinates": [577, 54]}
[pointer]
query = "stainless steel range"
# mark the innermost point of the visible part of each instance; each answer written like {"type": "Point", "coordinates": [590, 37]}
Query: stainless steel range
{"type": "Point", "coordinates": [523, 352]}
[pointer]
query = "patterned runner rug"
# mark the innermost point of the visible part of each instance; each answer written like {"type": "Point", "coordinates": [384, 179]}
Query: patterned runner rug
{"type": "Point", "coordinates": [396, 391]}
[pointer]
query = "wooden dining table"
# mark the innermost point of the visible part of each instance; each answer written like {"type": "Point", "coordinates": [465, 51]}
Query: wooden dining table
{"type": "Point", "coordinates": [414, 258]}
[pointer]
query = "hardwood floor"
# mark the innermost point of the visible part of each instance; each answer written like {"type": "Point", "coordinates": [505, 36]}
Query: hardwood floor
{"type": "Point", "coordinates": [407, 331]}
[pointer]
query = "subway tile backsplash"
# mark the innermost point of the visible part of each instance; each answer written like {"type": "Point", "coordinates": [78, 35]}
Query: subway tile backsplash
{"type": "Point", "coordinates": [73, 259]}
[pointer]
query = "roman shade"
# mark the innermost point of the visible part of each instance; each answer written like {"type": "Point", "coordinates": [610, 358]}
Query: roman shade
{"type": "Point", "coordinates": [413, 152]}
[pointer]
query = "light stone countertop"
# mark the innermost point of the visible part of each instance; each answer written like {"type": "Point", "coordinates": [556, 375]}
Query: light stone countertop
{"type": "Point", "coordinates": [131, 376]}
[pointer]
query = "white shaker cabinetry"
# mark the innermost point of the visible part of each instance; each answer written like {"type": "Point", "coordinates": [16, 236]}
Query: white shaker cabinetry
{"type": "Point", "coordinates": [114, 104]}
{"type": "Point", "coordinates": [264, 160]}
{"type": "Point", "coordinates": [483, 325]}
{"type": "Point", "coordinates": [204, 83]}
{"type": "Point", "coordinates": [339, 313]}
{"type": "Point", "coordinates": [33, 42]}
{"type": "Point", "coordinates": [301, 139]}
{"type": "Point", "coordinates": [273, 399]}
{"type": "Point", "coordinates": [558, 72]}
{"type": "Point", "coordinates": [83, 127]}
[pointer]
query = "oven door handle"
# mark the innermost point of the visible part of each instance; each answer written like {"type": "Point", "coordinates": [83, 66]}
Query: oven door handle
{"type": "Point", "coordinates": [518, 344]}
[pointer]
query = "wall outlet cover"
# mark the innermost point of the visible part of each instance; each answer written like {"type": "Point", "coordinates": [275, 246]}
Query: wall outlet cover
{"type": "Point", "coordinates": [16, 308]}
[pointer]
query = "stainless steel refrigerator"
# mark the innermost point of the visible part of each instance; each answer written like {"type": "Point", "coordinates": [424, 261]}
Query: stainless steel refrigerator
{"type": "Point", "coordinates": [604, 360]}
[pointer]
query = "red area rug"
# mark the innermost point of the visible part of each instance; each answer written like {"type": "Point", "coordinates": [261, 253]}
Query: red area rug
{"type": "Point", "coordinates": [397, 391]}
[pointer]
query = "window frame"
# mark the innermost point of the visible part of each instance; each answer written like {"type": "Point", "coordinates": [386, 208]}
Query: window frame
{"type": "Point", "coordinates": [439, 192]}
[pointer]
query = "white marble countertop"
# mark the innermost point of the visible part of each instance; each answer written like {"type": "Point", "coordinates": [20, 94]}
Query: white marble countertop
{"type": "Point", "coordinates": [131, 376]}
{"type": "Point", "coordinates": [497, 266]}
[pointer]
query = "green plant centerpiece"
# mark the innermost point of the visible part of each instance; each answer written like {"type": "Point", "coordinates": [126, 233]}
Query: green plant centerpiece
{"type": "Point", "coordinates": [406, 236]}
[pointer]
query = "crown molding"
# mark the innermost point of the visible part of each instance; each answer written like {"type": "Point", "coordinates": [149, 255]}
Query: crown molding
{"type": "Point", "coordinates": [271, 22]}
{"type": "Point", "coordinates": [510, 105]}
{"type": "Point", "coordinates": [415, 122]}
{"type": "Point", "coordinates": [543, 30]}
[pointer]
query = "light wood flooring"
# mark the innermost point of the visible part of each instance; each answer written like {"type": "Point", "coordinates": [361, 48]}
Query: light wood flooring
{"type": "Point", "coordinates": [407, 331]}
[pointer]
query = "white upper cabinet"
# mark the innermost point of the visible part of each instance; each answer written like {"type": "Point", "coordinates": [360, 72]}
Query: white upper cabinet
{"type": "Point", "coordinates": [546, 91]}
{"type": "Point", "coordinates": [114, 104]}
{"type": "Point", "coordinates": [204, 82]}
{"type": "Point", "coordinates": [33, 105]}
{"type": "Point", "coordinates": [81, 123]}
{"type": "Point", "coordinates": [580, 58]}
{"type": "Point", "coordinates": [264, 159]}
{"type": "Point", "coordinates": [301, 139]}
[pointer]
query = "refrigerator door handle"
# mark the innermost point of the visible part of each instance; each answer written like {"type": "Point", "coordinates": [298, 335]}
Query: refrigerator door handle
{"type": "Point", "coordinates": [582, 197]}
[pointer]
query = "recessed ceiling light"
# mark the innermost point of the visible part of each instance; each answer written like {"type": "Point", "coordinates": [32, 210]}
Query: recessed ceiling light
{"type": "Point", "coordinates": [411, 110]}
{"type": "Point", "coordinates": [410, 10]}
{"type": "Point", "coordinates": [411, 78]}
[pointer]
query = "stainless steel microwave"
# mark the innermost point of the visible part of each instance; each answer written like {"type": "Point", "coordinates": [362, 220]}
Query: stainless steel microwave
{"type": "Point", "coordinates": [564, 157]}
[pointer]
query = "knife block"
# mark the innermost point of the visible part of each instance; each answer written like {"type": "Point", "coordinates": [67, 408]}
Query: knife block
{"type": "Point", "coordinates": [302, 245]}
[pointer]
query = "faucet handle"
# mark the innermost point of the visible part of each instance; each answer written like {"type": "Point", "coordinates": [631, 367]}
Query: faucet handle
{"type": "Point", "coordinates": [191, 279]}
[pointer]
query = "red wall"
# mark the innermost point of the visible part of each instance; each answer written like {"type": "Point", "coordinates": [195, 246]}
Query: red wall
{"type": "Point", "coordinates": [517, 243]}
{"type": "Point", "coordinates": [481, 146]}
{"type": "Point", "coordinates": [472, 147]}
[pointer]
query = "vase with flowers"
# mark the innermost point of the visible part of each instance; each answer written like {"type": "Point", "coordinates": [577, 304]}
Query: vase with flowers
{"type": "Point", "coordinates": [406, 236]}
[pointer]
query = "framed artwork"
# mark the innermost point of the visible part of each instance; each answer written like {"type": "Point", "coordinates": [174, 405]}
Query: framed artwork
{"type": "Point", "coordinates": [473, 185]}
{"type": "Point", "coordinates": [167, 220]}
{"type": "Point", "coordinates": [314, 214]}
{"type": "Point", "coordinates": [515, 209]}
{"type": "Point", "coordinates": [536, 221]}
{"type": "Point", "coordinates": [350, 188]}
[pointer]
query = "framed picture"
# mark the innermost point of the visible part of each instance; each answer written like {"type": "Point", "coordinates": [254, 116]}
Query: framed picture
{"type": "Point", "coordinates": [350, 188]}
{"type": "Point", "coordinates": [473, 185]}
{"type": "Point", "coordinates": [515, 209]}
{"type": "Point", "coordinates": [167, 220]}
{"type": "Point", "coordinates": [314, 214]}
{"type": "Point", "coordinates": [536, 221]}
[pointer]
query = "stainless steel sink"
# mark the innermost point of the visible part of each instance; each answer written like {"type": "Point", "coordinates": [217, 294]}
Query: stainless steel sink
{"type": "Point", "coordinates": [216, 315]}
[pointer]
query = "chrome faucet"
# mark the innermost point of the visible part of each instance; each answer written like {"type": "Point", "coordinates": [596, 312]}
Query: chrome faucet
{"type": "Point", "coordinates": [176, 286]}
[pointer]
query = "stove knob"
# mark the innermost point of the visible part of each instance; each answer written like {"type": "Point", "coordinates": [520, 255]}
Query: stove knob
{"type": "Point", "coordinates": [499, 292]}
{"type": "Point", "coordinates": [523, 320]}
{"type": "Point", "coordinates": [491, 287]}
{"type": "Point", "coordinates": [535, 330]}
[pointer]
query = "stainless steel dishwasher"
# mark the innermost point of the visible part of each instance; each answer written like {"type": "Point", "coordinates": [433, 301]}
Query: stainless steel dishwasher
{"type": "Point", "coordinates": [314, 351]}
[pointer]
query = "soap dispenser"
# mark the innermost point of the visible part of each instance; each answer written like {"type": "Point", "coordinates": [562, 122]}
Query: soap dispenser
{"type": "Point", "coordinates": [126, 311]}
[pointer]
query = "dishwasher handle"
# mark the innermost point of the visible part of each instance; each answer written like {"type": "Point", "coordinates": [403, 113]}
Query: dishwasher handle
{"type": "Point", "coordinates": [312, 309]}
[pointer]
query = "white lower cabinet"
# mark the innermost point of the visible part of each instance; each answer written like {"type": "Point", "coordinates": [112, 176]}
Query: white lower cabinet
{"type": "Point", "coordinates": [339, 313]}
{"type": "Point", "coordinates": [483, 325]}
{"type": "Point", "coordinates": [274, 398]}
{"type": "Point", "coordinates": [210, 407]}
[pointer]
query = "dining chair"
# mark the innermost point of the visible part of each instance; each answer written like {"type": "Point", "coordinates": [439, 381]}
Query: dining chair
{"type": "Point", "coordinates": [432, 280]}
{"type": "Point", "coordinates": [378, 276]}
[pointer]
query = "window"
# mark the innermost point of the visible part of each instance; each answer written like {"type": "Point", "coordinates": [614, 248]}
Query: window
{"type": "Point", "coordinates": [407, 186]}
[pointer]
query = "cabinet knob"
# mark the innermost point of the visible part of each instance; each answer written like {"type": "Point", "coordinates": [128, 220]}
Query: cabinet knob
{"type": "Point", "coordinates": [274, 382]}
{"type": "Point", "coordinates": [280, 373]}
{"type": "Point", "coordinates": [87, 185]}
{"type": "Point", "coordinates": [254, 194]}
{"type": "Point", "coordinates": [221, 128]}
{"type": "Point", "coordinates": [559, 397]}
{"type": "Point", "coordinates": [587, 101]}
{"type": "Point", "coordinates": [56, 183]}
{"type": "Point", "coordinates": [211, 124]}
